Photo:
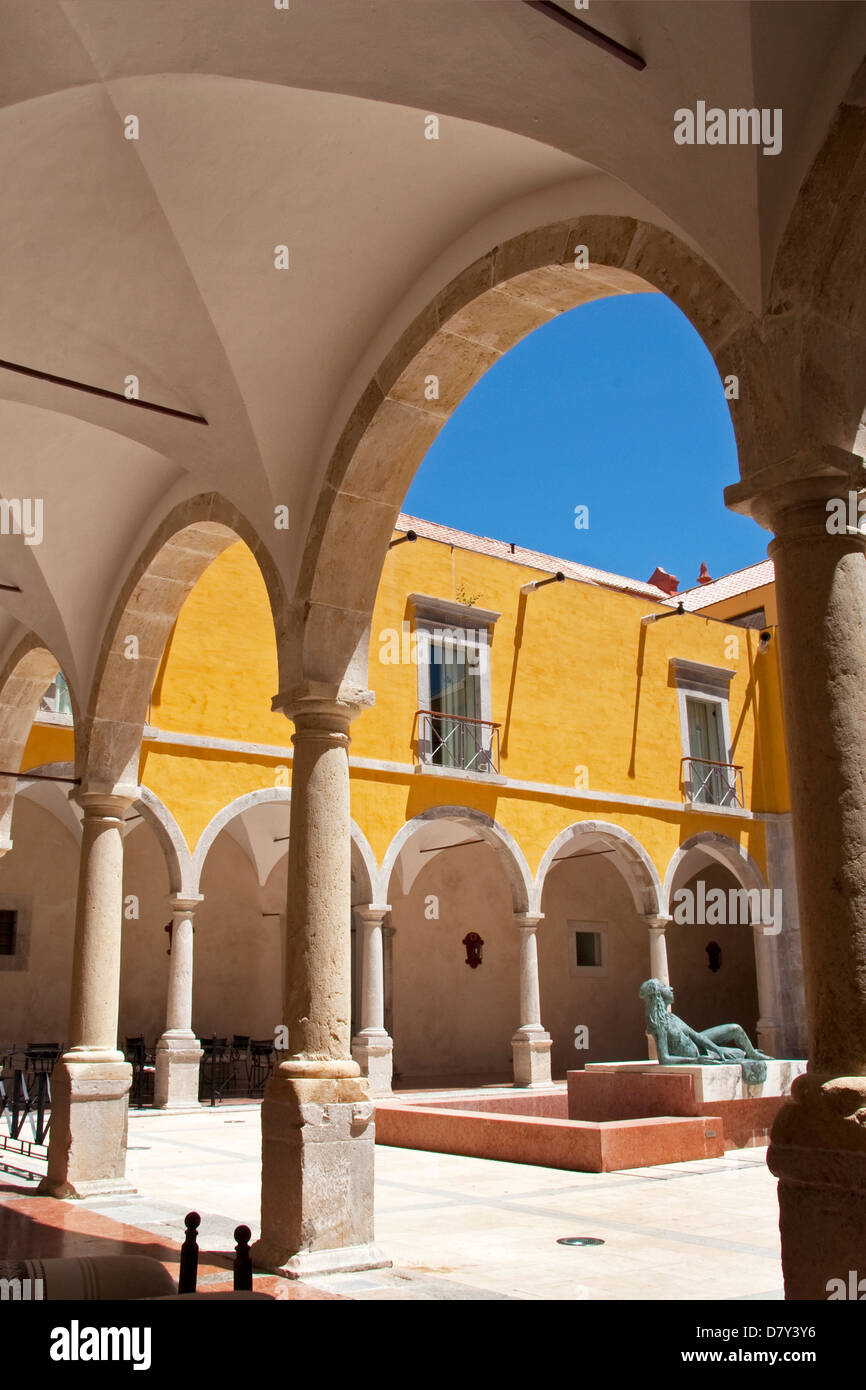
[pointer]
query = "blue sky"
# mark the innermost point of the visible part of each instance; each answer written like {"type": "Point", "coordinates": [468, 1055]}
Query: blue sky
{"type": "Point", "coordinates": [617, 406]}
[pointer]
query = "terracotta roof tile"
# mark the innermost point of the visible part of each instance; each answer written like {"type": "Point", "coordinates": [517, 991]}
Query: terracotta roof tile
{"type": "Point", "coordinates": [532, 559]}
{"type": "Point", "coordinates": [729, 586]}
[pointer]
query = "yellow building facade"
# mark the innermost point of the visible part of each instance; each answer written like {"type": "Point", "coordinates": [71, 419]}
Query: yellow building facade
{"type": "Point", "coordinates": [522, 836]}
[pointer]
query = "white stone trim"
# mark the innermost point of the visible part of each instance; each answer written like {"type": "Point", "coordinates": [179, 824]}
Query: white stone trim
{"type": "Point", "coordinates": [562, 792]}
{"type": "Point", "coordinates": [635, 865]}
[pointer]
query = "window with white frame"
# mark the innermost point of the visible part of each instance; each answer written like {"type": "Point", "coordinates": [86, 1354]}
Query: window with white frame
{"type": "Point", "coordinates": [709, 775]}
{"type": "Point", "coordinates": [455, 728]}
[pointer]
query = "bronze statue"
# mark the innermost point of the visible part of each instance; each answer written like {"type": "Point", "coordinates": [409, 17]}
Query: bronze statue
{"type": "Point", "coordinates": [678, 1044]}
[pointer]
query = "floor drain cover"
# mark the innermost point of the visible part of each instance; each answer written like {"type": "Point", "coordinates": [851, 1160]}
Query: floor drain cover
{"type": "Point", "coordinates": [579, 1240]}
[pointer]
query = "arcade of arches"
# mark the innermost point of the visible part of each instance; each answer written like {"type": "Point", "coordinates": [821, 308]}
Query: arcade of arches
{"type": "Point", "coordinates": [301, 400]}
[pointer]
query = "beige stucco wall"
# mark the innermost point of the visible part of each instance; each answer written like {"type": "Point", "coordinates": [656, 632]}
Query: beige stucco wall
{"type": "Point", "coordinates": [704, 997]}
{"type": "Point", "coordinates": [237, 974]}
{"type": "Point", "coordinates": [592, 890]}
{"type": "Point", "coordinates": [42, 866]}
{"type": "Point", "coordinates": [449, 1018]}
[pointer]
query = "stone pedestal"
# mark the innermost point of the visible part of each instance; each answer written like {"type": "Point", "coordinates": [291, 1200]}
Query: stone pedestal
{"type": "Point", "coordinates": [531, 1044]}
{"type": "Point", "coordinates": [178, 1063]}
{"type": "Point", "coordinates": [178, 1052]}
{"type": "Point", "coordinates": [87, 1150]}
{"type": "Point", "coordinates": [317, 1178]}
{"type": "Point", "coordinates": [818, 1154]}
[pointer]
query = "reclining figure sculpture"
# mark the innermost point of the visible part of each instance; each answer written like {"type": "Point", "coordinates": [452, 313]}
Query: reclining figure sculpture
{"type": "Point", "coordinates": [678, 1044]}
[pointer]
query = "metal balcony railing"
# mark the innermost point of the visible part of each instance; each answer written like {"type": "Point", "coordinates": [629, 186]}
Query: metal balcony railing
{"type": "Point", "coordinates": [713, 784]}
{"type": "Point", "coordinates": [453, 740]}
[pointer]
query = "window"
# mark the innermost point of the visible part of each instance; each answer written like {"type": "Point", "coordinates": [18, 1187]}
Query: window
{"type": "Point", "coordinates": [455, 729]}
{"type": "Point", "coordinates": [56, 699]}
{"type": "Point", "coordinates": [709, 776]}
{"type": "Point", "coordinates": [15, 914]}
{"type": "Point", "coordinates": [587, 948]}
{"type": "Point", "coordinates": [8, 931]}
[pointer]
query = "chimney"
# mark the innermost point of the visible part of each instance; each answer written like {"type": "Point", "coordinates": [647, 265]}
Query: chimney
{"type": "Point", "coordinates": [705, 577]}
{"type": "Point", "coordinates": [662, 580]}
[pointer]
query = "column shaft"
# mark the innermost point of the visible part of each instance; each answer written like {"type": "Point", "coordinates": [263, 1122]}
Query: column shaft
{"type": "Point", "coordinates": [178, 1053]}
{"type": "Point", "coordinates": [531, 1045]}
{"type": "Point", "coordinates": [90, 1084]}
{"type": "Point", "coordinates": [372, 1048]}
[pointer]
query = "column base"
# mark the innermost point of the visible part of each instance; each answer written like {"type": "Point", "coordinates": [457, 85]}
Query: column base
{"type": "Point", "coordinates": [317, 1175]}
{"type": "Point", "coordinates": [818, 1153]}
{"type": "Point", "coordinates": [310, 1264]}
{"type": "Point", "coordinates": [531, 1058]}
{"type": "Point", "coordinates": [374, 1053]}
{"type": "Point", "coordinates": [176, 1081]}
{"type": "Point", "coordinates": [87, 1139]}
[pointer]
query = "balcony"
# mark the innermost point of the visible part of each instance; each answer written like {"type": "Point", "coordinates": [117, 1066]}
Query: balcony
{"type": "Point", "coordinates": [454, 741]}
{"type": "Point", "coordinates": [713, 784]}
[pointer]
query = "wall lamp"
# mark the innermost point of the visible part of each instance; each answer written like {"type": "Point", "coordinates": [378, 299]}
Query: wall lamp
{"type": "Point", "coordinates": [557, 578]}
{"type": "Point", "coordinates": [657, 617]}
{"type": "Point", "coordinates": [764, 640]}
{"type": "Point", "coordinates": [409, 536]}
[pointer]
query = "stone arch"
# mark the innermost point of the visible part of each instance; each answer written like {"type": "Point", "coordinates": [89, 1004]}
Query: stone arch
{"type": "Point", "coordinates": [630, 858]}
{"type": "Point", "coordinates": [725, 851]}
{"type": "Point", "coordinates": [154, 813]}
{"type": "Point", "coordinates": [817, 299]}
{"type": "Point", "coordinates": [188, 540]}
{"type": "Point", "coordinates": [507, 850]}
{"type": "Point", "coordinates": [261, 797]}
{"type": "Point", "coordinates": [24, 679]}
{"type": "Point", "coordinates": [473, 321]}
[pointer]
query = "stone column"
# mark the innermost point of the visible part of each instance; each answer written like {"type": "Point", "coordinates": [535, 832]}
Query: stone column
{"type": "Point", "coordinates": [658, 950]}
{"type": "Point", "coordinates": [372, 1048]}
{"type": "Point", "coordinates": [818, 1145]}
{"type": "Point", "coordinates": [531, 1044]}
{"type": "Point", "coordinates": [90, 1083]}
{"type": "Point", "coordinates": [658, 947]}
{"type": "Point", "coordinates": [178, 1052]}
{"type": "Point", "coordinates": [317, 1118]}
{"type": "Point", "coordinates": [769, 996]}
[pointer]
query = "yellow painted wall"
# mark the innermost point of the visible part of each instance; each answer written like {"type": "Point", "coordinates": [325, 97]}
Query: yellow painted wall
{"type": "Point", "coordinates": [577, 681]}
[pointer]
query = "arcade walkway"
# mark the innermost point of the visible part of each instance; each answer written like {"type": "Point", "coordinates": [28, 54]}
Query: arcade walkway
{"type": "Point", "coordinates": [464, 1228]}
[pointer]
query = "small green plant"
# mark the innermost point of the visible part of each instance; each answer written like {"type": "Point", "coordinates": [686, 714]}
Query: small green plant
{"type": "Point", "coordinates": [468, 600]}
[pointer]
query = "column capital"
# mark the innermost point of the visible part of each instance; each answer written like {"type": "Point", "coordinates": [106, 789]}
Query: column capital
{"type": "Point", "coordinates": [528, 921]}
{"type": "Point", "coordinates": [105, 799]}
{"type": "Point", "coordinates": [319, 705]}
{"type": "Point", "coordinates": [184, 902]}
{"type": "Point", "coordinates": [373, 915]}
{"type": "Point", "coordinates": [793, 493]}
{"type": "Point", "coordinates": [657, 921]}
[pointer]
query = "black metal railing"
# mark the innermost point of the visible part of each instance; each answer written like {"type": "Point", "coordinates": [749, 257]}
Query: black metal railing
{"type": "Point", "coordinates": [236, 1070]}
{"type": "Point", "coordinates": [712, 784]}
{"type": "Point", "coordinates": [454, 740]}
{"type": "Point", "coordinates": [25, 1101]}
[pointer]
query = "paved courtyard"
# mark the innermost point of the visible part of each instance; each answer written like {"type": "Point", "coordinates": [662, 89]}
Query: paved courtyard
{"type": "Point", "coordinates": [466, 1228]}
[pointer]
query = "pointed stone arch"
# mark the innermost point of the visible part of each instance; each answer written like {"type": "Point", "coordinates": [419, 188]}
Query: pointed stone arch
{"type": "Point", "coordinates": [264, 796]}
{"type": "Point", "coordinates": [724, 851]}
{"type": "Point", "coordinates": [472, 322]}
{"type": "Point", "coordinates": [189, 539]}
{"type": "Point", "coordinates": [506, 848]}
{"type": "Point", "coordinates": [629, 856]}
{"type": "Point", "coordinates": [24, 679]}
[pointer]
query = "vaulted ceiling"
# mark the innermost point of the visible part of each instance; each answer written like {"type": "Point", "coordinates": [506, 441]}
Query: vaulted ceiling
{"type": "Point", "coordinates": [258, 127]}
